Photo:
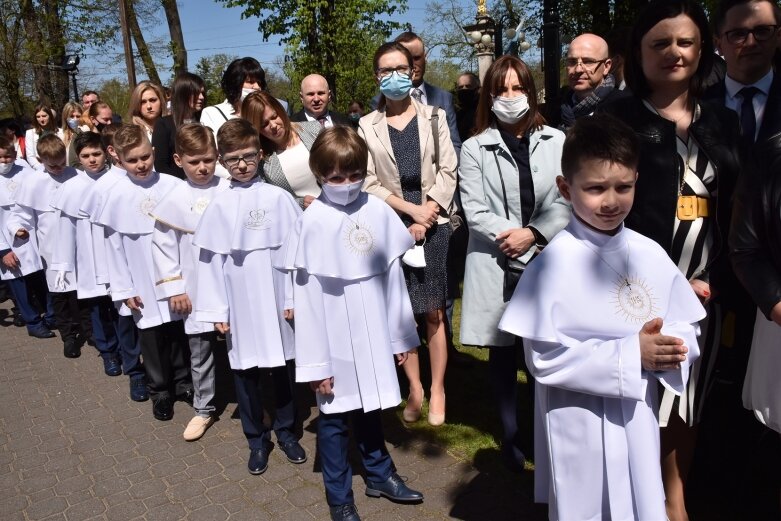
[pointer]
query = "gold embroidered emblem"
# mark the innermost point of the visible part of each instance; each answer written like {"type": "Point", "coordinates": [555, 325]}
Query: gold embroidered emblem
{"type": "Point", "coordinates": [199, 206]}
{"type": "Point", "coordinates": [634, 300]}
{"type": "Point", "coordinates": [359, 239]}
{"type": "Point", "coordinates": [147, 205]}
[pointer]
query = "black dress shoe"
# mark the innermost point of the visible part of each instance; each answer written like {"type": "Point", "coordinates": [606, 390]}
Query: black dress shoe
{"type": "Point", "coordinates": [41, 331]}
{"type": "Point", "coordinates": [71, 348]}
{"type": "Point", "coordinates": [163, 408]}
{"type": "Point", "coordinates": [19, 321]}
{"type": "Point", "coordinates": [346, 512]}
{"type": "Point", "coordinates": [138, 389]}
{"type": "Point", "coordinates": [258, 460]}
{"type": "Point", "coordinates": [112, 365]}
{"type": "Point", "coordinates": [393, 488]}
{"type": "Point", "coordinates": [186, 397]}
{"type": "Point", "coordinates": [294, 451]}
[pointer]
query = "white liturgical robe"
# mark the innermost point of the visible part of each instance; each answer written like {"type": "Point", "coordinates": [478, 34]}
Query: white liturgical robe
{"type": "Point", "coordinates": [240, 235]}
{"type": "Point", "coordinates": [34, 213]}
{"type": "Point", "coordinates": [579, 308]}
{"type": "Point", "coordinates": [91, 207]}
{"type": "Point", "coordinates": [174, 254]}
{"type": "Point", "coordinates": [353, 312]}
{"type": "Point", "coordinates": [126, 217]}
{"type": "Point", "coordinates": [26, 250]}
{"type": "Point", "coordinates": [762, 386]}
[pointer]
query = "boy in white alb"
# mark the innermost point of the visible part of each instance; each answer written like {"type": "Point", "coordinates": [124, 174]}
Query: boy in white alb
{"type": "Point", "coordinates": [126, 217]}
{"type": "Point", "coordinates": [353, 315]}
{"type": "Point", "coordinates": [175, 257]}
{"type": "Point", "coordinates": [34, 215]}
{"type": "Point", "coordinates": [73, 257]}
{"type": "Point", "coordinates": [21, 264]}
{"type": "Point", "coordinates": [603, 312]}
{"type": "Point", "coordinates": [240, 235]}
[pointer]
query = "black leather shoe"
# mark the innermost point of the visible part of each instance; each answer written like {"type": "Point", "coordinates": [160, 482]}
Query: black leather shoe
{"type": "Point", "coordinates": [71, 349]}
{"type": "Point", "coordinates": [258, 460]}
{"type": "Point", "coordinates": [138, 389]}
{"type": "Point", "coordinates": [41, 332]}
{"type": "Point", "coordinates": [294, 451]}
{"type": "Point", "coordinates": [112, 365]}
{"type": "Point", "coordinates": [50, 325]}
{"type": "Point", "coordinates": [186, 397]}
{"type": "Point", "coordinates": [19, 321]}
{"type": "Point", "coordinates": [163, 408]}
{"type": "Point", "coordinates": [346, 512]}
{"type": "Point", "coordinates": [393, 488]}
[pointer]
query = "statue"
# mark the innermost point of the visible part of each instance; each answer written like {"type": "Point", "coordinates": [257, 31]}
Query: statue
{"type": "Point", "coordinates": [481, 9]}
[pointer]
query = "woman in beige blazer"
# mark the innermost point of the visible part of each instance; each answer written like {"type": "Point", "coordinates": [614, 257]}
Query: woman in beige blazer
{"type": "Point", "coordinates": [412, 167]}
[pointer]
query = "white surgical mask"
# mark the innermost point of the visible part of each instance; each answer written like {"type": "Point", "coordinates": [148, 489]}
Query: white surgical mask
{"type": "Point", "coordinates": [5, 168]}
{"type": "Point", "coordinates": [246, 92]}
{"type": "Point", "coordinates": [343, 194]}
{"type": "Point", "coordinates": [510, 110]}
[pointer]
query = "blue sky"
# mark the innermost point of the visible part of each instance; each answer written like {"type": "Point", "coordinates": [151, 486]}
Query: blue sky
{"type": "Point", "coordinates": [211, 28]}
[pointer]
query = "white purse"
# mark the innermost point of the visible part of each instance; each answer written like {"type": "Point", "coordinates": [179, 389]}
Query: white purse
{"type": "Point", "coordinates": [414, 257]}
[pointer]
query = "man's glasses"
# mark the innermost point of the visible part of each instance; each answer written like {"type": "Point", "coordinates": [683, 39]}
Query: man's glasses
{"type": "Point", "coordinates": [387, 71]}
{"type": "Point", "coordinates": [588, 64]}
{"type": "Point", "coordinates": [249, 159]}
{"type": "Point", "coordinates": [762, 33]}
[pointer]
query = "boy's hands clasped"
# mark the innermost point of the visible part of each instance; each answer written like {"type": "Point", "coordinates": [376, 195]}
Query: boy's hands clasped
{"type": "Point", "coordinates": [660, 352]}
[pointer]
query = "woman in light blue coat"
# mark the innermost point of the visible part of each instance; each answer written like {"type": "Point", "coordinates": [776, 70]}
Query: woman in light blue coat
{"type": "Point", "coordinates": [507, 180]}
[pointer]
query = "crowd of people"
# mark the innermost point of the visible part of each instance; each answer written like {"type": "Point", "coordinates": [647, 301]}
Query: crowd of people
{"type": "Point", "coordinates": [625, 242]}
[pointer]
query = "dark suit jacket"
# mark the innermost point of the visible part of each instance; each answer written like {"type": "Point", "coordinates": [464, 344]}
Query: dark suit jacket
{"type": "Point", "coordinates": [438, 98]}
{"type": "Point", "coordinates": [771, 120]}
{"type": "Point", "coordinates": [336, 118]}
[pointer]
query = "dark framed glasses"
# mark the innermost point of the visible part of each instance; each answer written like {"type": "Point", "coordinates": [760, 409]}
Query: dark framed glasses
{"type": "Point", "coordinates": [762, 33]}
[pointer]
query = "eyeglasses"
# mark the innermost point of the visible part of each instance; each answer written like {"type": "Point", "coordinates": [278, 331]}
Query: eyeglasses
{"type": "Point", "coordinates": [387, 71]}
{"type": "Point", "coordinates": [588, 64]}
{"type": "Point", "coordinates": [761, 33]}
{"type": "Point", "coordinates": [249, 159]}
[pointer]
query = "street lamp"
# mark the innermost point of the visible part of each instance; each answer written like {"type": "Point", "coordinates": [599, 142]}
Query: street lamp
{"type": "Point", "coordinates": [481, 34]}
{"type": "Point", "coordinates": [70, 64]}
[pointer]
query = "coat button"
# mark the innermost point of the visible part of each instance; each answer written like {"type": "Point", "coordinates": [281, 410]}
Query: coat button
{"type": "Point", "coordinates": [535, 168]}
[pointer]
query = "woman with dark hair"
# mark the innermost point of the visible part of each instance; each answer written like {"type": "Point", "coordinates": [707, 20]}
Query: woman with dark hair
{"type": "Point", "coordinates": [417, 178]}
{"type": "Point", "coordinates": [687, 173]}
{"type": "Point", "coordinates": [44, 122]}
{"type": "Point", "coordinates": [507, 181]}
{"type": "Point", "coordinates": [188, 93]}
{"type": "Point", "coordinates": [285, 146]}
{"type": "Point", "coordinates": [241, 77]}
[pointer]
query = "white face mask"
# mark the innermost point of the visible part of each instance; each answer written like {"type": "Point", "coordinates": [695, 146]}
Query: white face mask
{"type": "Point", "coordinates": [5, 168]}
{"type": "Point", "coordinates": [510, 110]}
{"type": "Point", "coordinates": [246, 92]}
{"type": "Point", "coordinates": [343, 194]}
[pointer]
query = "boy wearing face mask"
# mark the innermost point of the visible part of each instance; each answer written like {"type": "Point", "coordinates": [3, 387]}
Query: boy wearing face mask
{"type": "Point", "coordinates": [239, 291]}
{"type": "Point", "coordinates": [73, 255]}
{"type": "Point", "coordinates": [353, 315]}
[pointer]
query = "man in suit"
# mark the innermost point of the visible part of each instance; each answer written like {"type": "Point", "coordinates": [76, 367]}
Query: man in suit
{"type": "Point", "coordinates": [316, 96]}
{"type": "Point", "coordinates": [748, 36]}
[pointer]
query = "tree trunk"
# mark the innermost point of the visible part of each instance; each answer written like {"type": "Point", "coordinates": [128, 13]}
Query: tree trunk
{"type": "Point", "coordinates": [37, 52]}
{"type": "Point", "coordinates": [600, 16]}
{"type": "Point", "coordinates": [178, 50]}
{"type": "Point", "coordinates": [56, 51]}
{"type": "Point", "coordinates": [10, 43]}
{"type": "Point", "coordinates": [138, 37]}
{"type": "Point", "coordinates": [626, 12]}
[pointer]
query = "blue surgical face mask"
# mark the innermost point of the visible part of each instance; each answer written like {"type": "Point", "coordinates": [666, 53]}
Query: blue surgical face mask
{"type": "Point", "coordinates": [395, 86]}
{"type": "Point", "coordinates": [73, 123]}
{"type": "Point", "coordinates": [343, 194]}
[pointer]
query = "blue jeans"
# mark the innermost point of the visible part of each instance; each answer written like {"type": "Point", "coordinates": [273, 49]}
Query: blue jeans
{"type": "Point", "coordinates": [129, 347]}
{"type": "Point", "coordinates": [26, 291]}
{"type": "Point", "coordinates": [333, 442]}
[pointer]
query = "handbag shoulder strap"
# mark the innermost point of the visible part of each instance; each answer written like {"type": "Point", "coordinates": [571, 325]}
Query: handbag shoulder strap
{"type": "Point", "coordinates": [221, 112]}
{"type": "Point", "coordinates": [435, 134]}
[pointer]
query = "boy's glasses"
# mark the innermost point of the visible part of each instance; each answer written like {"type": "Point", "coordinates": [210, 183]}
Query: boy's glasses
{"type": "Point", "coordinates": [249, 159]}
{"type": "Point", "coordinates": [762, 33]}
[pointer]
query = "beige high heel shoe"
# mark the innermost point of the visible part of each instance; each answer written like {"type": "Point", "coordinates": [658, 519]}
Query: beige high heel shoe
{"type": "Point", "coordinates": [435, 418]}
{"type": "Point", "coordinates": [411, 412]}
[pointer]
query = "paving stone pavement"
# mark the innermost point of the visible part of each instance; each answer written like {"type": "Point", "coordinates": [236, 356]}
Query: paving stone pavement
{"type": "Point", "coordinates": [73, 446]}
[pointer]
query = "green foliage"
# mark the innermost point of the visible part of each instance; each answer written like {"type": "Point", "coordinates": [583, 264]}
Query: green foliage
{"type": "Point", "coordinates": [117, 94]}
{"type": "Point", "coordinates": [442, 73]}
{"type": "Point", "coordinates": [335, 38]}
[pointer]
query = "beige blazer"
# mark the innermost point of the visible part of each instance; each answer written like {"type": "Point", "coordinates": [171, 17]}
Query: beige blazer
{"type": "Point", "coordinates": [382, 177]}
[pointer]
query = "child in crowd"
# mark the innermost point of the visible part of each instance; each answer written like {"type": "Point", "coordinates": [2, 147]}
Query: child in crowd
{"type": "Point", "coordinates": [21, 264]}
{"type": "Point", "coordinates": [175, 260]}
{"type": "Point", "coordinates": [73, 257]}
{"type": "Point", "coordinates": [127, 333]}
{"type": "Point", "coordinates": [126, 217]}
{"type": "Point", "coordinates": [34, 217]}
{"type": "Point", "coordinates": [240, 235]}
{"type": "Point", "coordinates": [595, 347]}
{"type": "Point", "coordinates": [353, 314]}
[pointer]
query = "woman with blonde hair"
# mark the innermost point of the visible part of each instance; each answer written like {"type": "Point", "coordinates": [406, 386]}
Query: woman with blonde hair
{"type": "Point", "coordinates": [146, 106]}
{"type": "Point", "coordinates": [71, 114]}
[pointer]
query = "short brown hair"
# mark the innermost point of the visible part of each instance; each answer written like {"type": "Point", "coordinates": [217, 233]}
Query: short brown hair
{"type": "Point", "coordinates": [494, 79]}
{"type": "Point", "coordinates": [338, 148]}
{"type": "Point", "coordinates": [192, 138]}
{"type": "Point", "coordinates": [107, 134]}
{"type": "Point", "coordinates": [50, 147]}
{"type": "Point", "coordinates": [236, 134]}
{"type": "Point", "coordinates": [7, 145]}
{"type": "Point", "coordinates": [602, 137]}
{"type": "Point", "coordinates": [128, 137]}
{"type": "Point", "coordinates": [252, 109]}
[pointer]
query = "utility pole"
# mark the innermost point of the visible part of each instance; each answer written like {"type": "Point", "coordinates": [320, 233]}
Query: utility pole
{"type": "Point", "coordinates": [129, 62]}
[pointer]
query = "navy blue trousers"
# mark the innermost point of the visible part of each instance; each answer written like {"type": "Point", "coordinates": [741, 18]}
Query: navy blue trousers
{"type": "Point", "coordinates": [129, 347]}
{"type": "Point", "coordinates": [29, 291]}
{"type": "Point", "coordinates": [333, 445]}
{"type": "Point", "coordinates": [249, 396]}
{"type": "Point", "coordinates": [102, 314]}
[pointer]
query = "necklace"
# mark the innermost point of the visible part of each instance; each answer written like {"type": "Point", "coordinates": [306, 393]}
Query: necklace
{"type": "Point", "coordinates": [623, 279]}
{"type": "Point", "coordinates": [358, 239]}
